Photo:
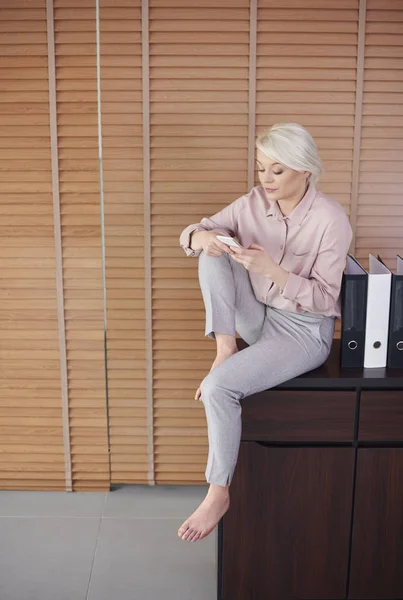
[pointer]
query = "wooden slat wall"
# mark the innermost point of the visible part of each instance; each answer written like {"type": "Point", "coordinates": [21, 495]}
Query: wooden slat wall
{"type": "Point", "coordinates": [79, 173]}
{"type": "Point", "coordinates": [121, 95]}
{"type": "Point", "coordinates": [380, 207]}
{"type": "Point", "coordinates": [306, 73]}
{"type": "Point", "coordinates": [199, 134]}
{"type": "Point", "coordinates": [31, 436]}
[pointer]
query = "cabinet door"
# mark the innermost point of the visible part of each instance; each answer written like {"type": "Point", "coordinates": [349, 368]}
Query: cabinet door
{"type": "Point", "coordinates": [377, 551]}
{"type": "Point", "coordinates": [286, 534]}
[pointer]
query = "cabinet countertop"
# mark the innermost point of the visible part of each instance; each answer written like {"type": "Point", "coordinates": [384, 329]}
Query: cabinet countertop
{"type": "Point", "coordinates": [331, 376]}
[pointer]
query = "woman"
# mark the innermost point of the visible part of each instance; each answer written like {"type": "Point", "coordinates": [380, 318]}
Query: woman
{"type": "Point", "coordinates": [280, 292]}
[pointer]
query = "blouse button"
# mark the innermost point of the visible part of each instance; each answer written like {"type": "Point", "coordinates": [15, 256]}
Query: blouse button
{"type": "Point", "coordinates": [281, 247]}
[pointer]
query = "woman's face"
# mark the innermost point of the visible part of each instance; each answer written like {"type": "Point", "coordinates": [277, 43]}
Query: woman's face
{"type": "Point", "coordinates": [280, 182]}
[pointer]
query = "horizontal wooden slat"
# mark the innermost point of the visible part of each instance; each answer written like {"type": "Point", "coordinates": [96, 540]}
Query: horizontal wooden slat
{"type": "Point", "coordinates": [301, 39]}
{"type": "Point", "coordinates": [15, 14]}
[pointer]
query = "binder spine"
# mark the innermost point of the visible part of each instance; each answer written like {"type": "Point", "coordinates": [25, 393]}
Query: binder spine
{"type": "Point", "coordinates": [395, 341]}
{"type": "Point", "coordinates": [354, 300]}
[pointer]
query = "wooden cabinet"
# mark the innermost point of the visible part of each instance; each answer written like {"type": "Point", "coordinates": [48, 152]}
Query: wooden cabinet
{"type": "Point", "coordinates": [295, 543]}
{"type": "Point", "coordinates": [317, 496]}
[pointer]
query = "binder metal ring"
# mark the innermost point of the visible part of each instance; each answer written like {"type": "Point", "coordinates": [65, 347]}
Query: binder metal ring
{"type": "Point", "coordinates": [399, 345]}
{"type": "Point", "coordinates": [352, 345]}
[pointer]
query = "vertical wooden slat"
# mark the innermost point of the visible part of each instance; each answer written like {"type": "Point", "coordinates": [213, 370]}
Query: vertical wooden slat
{"type": "Point", "coordinates": [32, 453]}
{"type": "Point", "coordinates": [199, 112]}
{"type": "Point", "coordinates": [252, 92]}
{"type": "Point", "coordinates": [58, 244]}
{"type": "Point", "coordinates": [79, 176]}
{"type": "Point", "coordinates": [147, 236]}
{"type": "Point", "coordinates": [358, 119]}
{"type": "Point", "coordinates": [379, 221]}
{"type": "Point", "coordinates": [306, 73]}
{"type": "Point", "coordinates": [102, 214]}
{"type": "Point", "coordinates": [120, 91]}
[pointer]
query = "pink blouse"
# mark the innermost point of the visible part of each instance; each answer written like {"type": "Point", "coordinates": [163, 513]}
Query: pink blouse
{"type": "Point", "coordinates": [311, 243]}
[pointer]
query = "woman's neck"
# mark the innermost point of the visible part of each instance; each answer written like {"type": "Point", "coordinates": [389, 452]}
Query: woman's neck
{"type": "Point", "coordinates": [287, 206]}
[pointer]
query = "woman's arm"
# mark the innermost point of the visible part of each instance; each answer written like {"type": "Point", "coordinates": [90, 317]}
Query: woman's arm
{"type": "Point", "coordinates": [225, 222]}
{"type": "Point", "coordinates": [197, 239]}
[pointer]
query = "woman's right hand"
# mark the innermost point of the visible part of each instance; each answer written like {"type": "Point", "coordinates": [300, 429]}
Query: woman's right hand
{"type": "Point", "coordinates": [212, 246]}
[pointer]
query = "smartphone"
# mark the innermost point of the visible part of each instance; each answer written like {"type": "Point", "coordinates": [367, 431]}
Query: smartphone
{"type": "Point", "coordinates": [228, 240]}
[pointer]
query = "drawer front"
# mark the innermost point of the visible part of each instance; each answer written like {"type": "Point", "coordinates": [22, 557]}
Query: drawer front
{"type": "Point", "coordinates": [381, 416]}
{"type": "Point", "coordinates": [299, 416]}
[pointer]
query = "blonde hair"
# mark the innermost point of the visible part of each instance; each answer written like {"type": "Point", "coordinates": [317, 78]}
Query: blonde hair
{"type": "Point", "coordinates": [293, 146]}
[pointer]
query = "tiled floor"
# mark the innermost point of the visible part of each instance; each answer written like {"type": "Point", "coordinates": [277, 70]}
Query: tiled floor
{"type": "Point", "coordinates": [121, 545]}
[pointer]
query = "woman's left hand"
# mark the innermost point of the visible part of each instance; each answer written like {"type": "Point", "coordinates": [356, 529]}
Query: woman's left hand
{"type": "Point", "coordinates": [254, 259]}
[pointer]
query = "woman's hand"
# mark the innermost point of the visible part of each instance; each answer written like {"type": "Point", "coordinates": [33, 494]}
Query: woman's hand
{"type": "Point", "coordinates": [211, 245]}
{"type": "Point", "coordinates": [254, 259]}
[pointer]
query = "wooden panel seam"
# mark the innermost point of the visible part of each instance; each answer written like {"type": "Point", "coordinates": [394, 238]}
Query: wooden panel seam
{"type": "Point", "coordinates": [102, 216]}
{"type": "Point", "coordinates": [147, 235]}
{"type": "Point", "coordinates": [252, 93]}
{"type": "Point", "coordinates": [58, 244]}
{"type": "Point", "coordinates": [358, 120]}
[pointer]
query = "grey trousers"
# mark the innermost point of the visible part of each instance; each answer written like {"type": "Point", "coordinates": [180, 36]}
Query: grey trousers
{"type": "Point", "coordinates": [282, 345]}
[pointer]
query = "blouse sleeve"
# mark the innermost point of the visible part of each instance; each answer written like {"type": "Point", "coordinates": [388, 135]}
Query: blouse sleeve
{"type": "Point", "coordinates": [225, 221]}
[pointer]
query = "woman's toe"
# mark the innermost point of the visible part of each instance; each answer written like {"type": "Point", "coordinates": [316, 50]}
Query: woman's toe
{"type": "Point", "coordinates": [188, 534]}
{"type": "Point", "coordinates": [196, 537]}
{"type": "Point", "coordinates": [182, 530]}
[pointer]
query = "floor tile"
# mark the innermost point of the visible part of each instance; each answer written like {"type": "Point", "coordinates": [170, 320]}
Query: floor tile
{"type": "Point", "coordinates": [145, 560]}
{"type": "Point", "coordinates": [162, 501]}
{"type": "Point", "coordinates": [51, 504]}
{"type": "Point", "coordinates": [46, 558]}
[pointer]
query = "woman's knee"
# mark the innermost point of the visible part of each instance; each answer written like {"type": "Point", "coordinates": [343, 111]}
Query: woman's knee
{"type": "Point", "coordinates": [215, 386]}
{"type": "Point", "coordinates": [212, 261]}
{"type": "Point", "coordinates": [212, 269]}
{"type": "Point", "coordinates": [207, 387]}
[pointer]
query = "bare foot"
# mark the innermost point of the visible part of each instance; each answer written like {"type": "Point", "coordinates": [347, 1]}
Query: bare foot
{"type": "Point", "coordinates": [202, 522]}
{"type": "Point", "coordinates": [221, 356]}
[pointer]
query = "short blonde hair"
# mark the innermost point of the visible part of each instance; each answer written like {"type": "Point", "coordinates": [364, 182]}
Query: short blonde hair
{"type": "Point", "coordinates": [293, 146]}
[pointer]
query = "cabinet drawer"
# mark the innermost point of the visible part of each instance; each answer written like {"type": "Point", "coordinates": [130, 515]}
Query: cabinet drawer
{"type": "Point", "coordinates": [381, 416]}
{"type": "Point", "coordinates": [299, 416]}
